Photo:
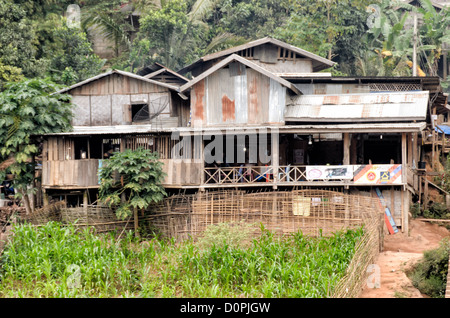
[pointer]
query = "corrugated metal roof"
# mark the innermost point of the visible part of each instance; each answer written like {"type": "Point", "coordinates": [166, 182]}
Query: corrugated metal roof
{"type": "Point", "coordinates": [106, 130]}
{"type": "Point", "coordinates": [302, 129]}
{"type": "Point", "coordinates": [392, 106]}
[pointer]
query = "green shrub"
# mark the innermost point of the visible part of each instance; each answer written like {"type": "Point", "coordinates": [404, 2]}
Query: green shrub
{"type": "Point", "coordinates": [436, 211]}
{"type": "Point", "coordinates": [232, 234]}
{"type": "Point", "coordinates": [429, 275]}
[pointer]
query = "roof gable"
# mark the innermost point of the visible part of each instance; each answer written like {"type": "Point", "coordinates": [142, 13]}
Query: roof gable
{"type": "Point", "coordinates": [319, 63]}
{"type": "Point", "coordinates": [159, 72]}
{"type": "Point", "coordinates": [239, 59]}
{"type": "Point", "coordinates": [123, 73]}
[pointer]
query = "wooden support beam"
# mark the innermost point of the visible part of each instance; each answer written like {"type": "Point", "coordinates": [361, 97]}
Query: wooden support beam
{"type": "Point", "coordinates": [46, 200]}
{"type": "Point", "coordinates": [275, 144]}
{"type": "Point", "coordinates": [404, 158]}
{"type": "Point", "coordinates": [409, 149]}
{"type": "Point", "coordinates": [433, 146]}
{"type": "Point", "coordinates": [346, 158]}
{"type": "Point", "coordinates": [85, 201]}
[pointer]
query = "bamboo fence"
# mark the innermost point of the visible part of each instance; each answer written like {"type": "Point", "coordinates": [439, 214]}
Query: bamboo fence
{"type": "Point", "coordinates": [100, 218]}
{"type": "Point", "coordinates": [313, 212]}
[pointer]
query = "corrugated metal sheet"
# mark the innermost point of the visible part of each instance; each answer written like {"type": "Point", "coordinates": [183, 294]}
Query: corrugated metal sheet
{"type": "Point", "coordinates": [106, 130]}
{"type": "Point", "coordinates": [300, 129]}
{"type": "Point", "coordinates": [401, 106]}
{"type": "Point", "coordinates": [227, 99]}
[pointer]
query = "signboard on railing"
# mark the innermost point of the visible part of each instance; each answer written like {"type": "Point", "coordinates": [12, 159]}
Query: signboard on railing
{"type": "Point", "coordinates": [378, 174]}
{"type": "Point", "coordinates": [329, 172]}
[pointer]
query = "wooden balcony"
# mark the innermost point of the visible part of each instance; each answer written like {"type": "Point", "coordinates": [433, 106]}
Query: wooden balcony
{"type": "Point", "coordinates": [82, 174]}
{"type": "Point", "coordinates": [359, 175]}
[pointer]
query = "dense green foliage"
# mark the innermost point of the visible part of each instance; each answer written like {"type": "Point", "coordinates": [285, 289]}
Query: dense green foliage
{"type": "Point", "coordinates": [429, 275]}
{"type": "Point", "coordinates": [57, 261]}
{"type": "Point", "coordinates": [360, 38]}
{"type": "Point", "coordinates": [29, 108]}
{"type": "Point", "coordinates": [131, 180]}
{"type": "Point", "coordinates": [294, 266]}
{"type": "Point", "coordinates": [18, 40]}
{"type": "Point", "coordinates": [73, 59]}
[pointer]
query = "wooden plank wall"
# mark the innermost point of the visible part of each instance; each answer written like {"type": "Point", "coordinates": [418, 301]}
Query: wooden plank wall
{"type": "Point", "coordinates": [70, 173]}
{"type": "Point", "coordinates": [58, 149]}
{"type": "Point", "coordinates": [59, 169]}
{"type": "Point", "coordinates": [106, 101]}
{"type": "Point", "coordinates": [179, 172]}
{"type": "Point", "coordinates": [117, 84]}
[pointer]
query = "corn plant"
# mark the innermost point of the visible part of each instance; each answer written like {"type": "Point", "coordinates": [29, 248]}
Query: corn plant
{"type": "Point", "coordinates": [63, 261]}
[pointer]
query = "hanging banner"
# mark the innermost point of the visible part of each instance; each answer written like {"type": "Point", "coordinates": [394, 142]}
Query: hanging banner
{"type": "Point", "coordinates": [329, 172]}
{"type": "Point", "coordinates": [378, 174]}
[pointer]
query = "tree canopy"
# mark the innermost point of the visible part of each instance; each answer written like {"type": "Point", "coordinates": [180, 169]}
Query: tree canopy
{"type": "Point", "coordinates": [29, 108]}
{"type": "Point", "coordinates": [131, 180]}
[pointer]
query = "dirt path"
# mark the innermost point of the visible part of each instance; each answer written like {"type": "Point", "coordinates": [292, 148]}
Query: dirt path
{"type": "Point", "coordinates": [400, 252]}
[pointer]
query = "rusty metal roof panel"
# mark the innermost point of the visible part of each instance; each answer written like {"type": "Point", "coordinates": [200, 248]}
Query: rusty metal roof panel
{"type": "Point", "coordinates": [394, 106]}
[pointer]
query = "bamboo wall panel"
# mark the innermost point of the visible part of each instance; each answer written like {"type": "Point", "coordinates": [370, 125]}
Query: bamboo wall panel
{"type": "Point", "coordinates": [119, 102]}
{"type": "Point", "coordinates": [106, 101]}
{"type": "Point", "coordinates": [101, 110]}
{"type": "Point", "coordinates": [81, 111]}
{"type": "Point", "coordinates": [139, 98]}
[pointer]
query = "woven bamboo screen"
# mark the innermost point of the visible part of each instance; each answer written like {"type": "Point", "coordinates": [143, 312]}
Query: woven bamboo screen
{"type": "Point", "coordinates": [313, 212]}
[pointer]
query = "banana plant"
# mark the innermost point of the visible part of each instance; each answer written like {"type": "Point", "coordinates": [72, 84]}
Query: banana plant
{"type": "Point", "coordinates": [434, 34]}
{"type": "Point", "coordinates": [389, 44]}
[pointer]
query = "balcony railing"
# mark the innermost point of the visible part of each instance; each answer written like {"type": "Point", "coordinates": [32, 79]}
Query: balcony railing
{"type": "Point", "coordinates": [349, 174]}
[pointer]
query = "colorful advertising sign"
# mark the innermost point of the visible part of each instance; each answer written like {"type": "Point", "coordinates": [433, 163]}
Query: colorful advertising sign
{"type": "Point", "coordinates": [378, 174]}
{"type": "Point", "coordinates": [329, 172]}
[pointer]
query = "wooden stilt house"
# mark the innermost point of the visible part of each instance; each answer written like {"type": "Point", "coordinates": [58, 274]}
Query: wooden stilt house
{"type": "Point", "coordinates": [260, 115]}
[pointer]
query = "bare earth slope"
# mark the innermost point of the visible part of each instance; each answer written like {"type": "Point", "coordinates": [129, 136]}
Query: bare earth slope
{"type": "Point", "coordinates": [400, 252]}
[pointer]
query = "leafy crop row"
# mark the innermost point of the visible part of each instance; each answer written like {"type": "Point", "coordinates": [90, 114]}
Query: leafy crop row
{"type": "Point", "coordinates": [57, 261]}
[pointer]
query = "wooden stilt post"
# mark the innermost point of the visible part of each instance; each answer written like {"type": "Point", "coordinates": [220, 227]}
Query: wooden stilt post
{"type": "Point", "coordinates": [404, 206]}
{"type": "Point", "coordinates": [346, 158]}
{"type": "Point", "coordinates": [275, 143]}
{"type": "Point", "coordinates": [46, 200]}
{"type": "Point", "coordinates": [85, 201]}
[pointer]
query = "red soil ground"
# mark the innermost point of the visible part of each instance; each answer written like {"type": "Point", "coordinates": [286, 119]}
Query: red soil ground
{"type": "Point", "coordinates": [400, 252]}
